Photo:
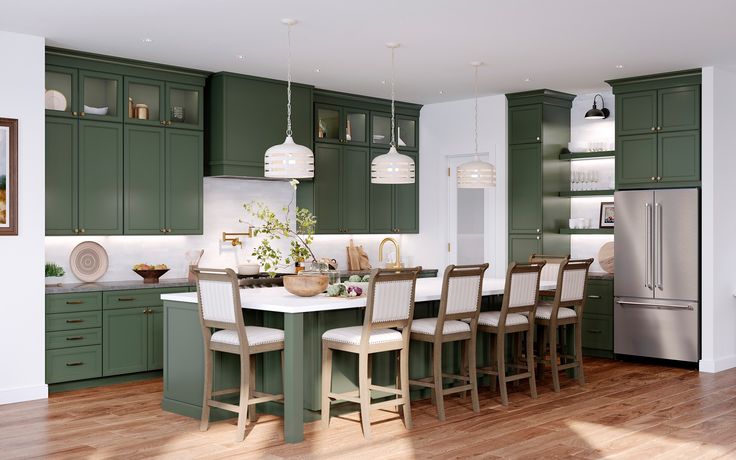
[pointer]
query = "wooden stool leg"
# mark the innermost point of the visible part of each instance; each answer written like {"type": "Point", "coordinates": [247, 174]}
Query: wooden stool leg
{"type": "Point", "coordinates": [541, 350]}
{"type": "Point", "coordinates": [579, 352]}
{"type": "Point", "coordinates": [365, 394]}
{"type": "Point", "coordinates": [405, 390]}
{"type": "Point", "coordinates": [472, 374]}
{"type": "Point", "coordinates": [437, 373]}
{"type": "Point", "coordinates": [494, 364]}
{"type": "Point", "coordinates": [244, 393]}
{"type": "Point", "coordinates": [553, 329]}
{"type": "Point", "coordinates": [326, 384]}
{"type": "Point", "coordinates": [252, 409]}
{"type": "Point", "coordinates": [463, 363]}
{"type": "Point", "coordinates": [530, 362]}
{"type": "Point", "coordinates": [501, 359]}
{"type": "Point", "coordinates": [205, 420]}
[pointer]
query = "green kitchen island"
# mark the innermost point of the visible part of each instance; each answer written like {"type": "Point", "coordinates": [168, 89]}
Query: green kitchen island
{"type": "Point", "coordinates": [304, 320]}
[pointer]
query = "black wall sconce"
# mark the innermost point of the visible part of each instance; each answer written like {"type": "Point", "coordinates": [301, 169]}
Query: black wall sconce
{"type": "Point", "coordinates": [595, 113]}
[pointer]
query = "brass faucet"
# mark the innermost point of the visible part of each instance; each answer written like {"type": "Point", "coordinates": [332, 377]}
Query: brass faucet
{"type": "Point", "coordinates": [233, 238]}
{"type": "Point", "coordinates": [397, 263]}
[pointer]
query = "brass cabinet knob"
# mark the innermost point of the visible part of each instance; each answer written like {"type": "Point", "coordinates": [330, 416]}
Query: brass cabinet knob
{"type": "Point", "coordinates": [659, 178]}
{"type": "Point", "coordinates": [76, 230]}
{"type": "Point", "coordinates": [74, 114]}
{"type": "Point", "coordinates": [538, 230]}
{"type": "Point", "coordinates": [537, 137]}
{"type": "Point", "coordinates": [81, 114]}
{"type": "Point", "coordinates": [659, 128]}
{"type": "Point", "coordinates": [162, 230]}
{"type": "Point", "coordinates": [168, 230]}
{"type": "Point", "coordinates": [168, 122]}
{"type": "Point", "coordinates": [163, 123]}
{"type": "Point", "coordinates": [653, 178]}
{"type": "Point", "coordinates": [539, 237]}
{"type": "Point", "coordinates": [653, 128]}
{"type": "Point", "coordinates": [81, 230]}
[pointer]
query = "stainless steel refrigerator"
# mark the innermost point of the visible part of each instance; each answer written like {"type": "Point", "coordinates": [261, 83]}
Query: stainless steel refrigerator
{"type": "Point", "coordinates": [657, 281]}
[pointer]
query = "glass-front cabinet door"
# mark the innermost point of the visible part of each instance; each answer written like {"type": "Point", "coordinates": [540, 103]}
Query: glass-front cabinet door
{"type": "Point", "coordinates": [327, 123]}
{"type": "Point", "coordinates": [407, 134]}
{"type": "Point", "coordinates": [341, 125]}
{"type": "Point", "coordinates": [184, 107]}
{"type": "Point", "coordinates": [380, 129]}
{"type": "Point", "coordinates": [144, 101]}
{"type": "Point", "coordinates": [101, 96]}
{"type": "Point", "coordinates": [61, 91]}
{"type": "Point", "coordinates": [355, 127]}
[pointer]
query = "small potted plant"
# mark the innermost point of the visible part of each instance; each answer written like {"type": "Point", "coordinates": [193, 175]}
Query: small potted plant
{"type": "Point", "coordinates": [53, 273]}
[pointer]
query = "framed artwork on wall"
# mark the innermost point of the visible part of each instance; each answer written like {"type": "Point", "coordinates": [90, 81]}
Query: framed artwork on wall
{"type": "Point", "coordinates": [608, 215]}
{"type": "Point", "coordinates": [8, 176]}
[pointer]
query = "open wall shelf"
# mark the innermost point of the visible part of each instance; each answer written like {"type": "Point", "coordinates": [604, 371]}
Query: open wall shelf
{"type": "Point", "coordinates": [573, 156]}
{"type": "Point", "coordinates": [575, 193]}
{"type": "Point", "coordinates": [586, 231]}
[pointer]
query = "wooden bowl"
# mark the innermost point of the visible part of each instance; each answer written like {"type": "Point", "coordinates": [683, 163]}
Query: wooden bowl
{"type": "Point", "coordinates": [306, 285]}
{"type": "Point", "coordinates": [151, 276]}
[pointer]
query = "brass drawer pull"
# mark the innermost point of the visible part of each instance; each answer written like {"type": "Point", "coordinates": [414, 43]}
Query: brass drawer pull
{"type": "Point", "coordinates": [594, 297]}
{"type": "Point", "coordinates": [595, 331]}
{"type": "Point", "coordinates": [75, 363]}
{"type": "Point", "coordinates": [125, 299]}
{"type": "Point", "coordinates": [72, 321]}
{"type": "Point", "coordinates": [76, 337]}
{"type": "Point", "coordinates": [74, 302]}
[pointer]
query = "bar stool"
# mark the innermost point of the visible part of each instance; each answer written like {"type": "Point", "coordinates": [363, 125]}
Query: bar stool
{"type": "Point", "coordinates": [462, 292]}
{"type": "Point", "coordinates": [220, 308]}
{"type": "Point", "coordinates": [550, 270]}
{"type": "Point", "coordinates": [565, 309]}
{"type": "Point", "coordinates": [520, 296]}
{"type": "Point", "coordinates": [390, 305]}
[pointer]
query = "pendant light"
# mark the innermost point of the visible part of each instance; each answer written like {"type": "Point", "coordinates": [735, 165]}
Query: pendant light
{"type": "Point", "coordinates": [289, 160]}
{"type": "Point", "coordinates": [392, 167]}
{"type": "Point", "coordinates": [476, 173]}
{"type": "Point", "coordinates": [595, 113]}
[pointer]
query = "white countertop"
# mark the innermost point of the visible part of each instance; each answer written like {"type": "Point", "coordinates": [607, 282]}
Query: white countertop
{"type": "Point", "coordinates": [277, 299]}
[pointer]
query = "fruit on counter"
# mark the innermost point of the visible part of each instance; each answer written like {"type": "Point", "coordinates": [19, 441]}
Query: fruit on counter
{"type": "Point", "coordinates": [366, 278]}
{"type": "Point", "coordinates": [355, 278]}
{"type": "Point", "coordinates": [150, 267]}
{"type": "Point", "coordinates": [336, 290]}
{"type": "Point", "coordinates": [354, 291]}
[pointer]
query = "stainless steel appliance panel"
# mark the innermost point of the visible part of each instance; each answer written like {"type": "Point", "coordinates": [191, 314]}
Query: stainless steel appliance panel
{"type": "Point", "coordinates": [665, 329]}
{"type": "Point", "coordinates": [676, 244]}
{"type": "Point", "coordinates": [634, 245]}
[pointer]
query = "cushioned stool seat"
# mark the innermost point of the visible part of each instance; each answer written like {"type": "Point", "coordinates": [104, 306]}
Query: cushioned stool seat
{"type": "Point", "coordinates": [256, 336]}
{"type": "Point", "coordinates": [491, 318]}
{"type": "Point", "coordinates": [352, 335]}
{"type": "Point", "coordinates": [428, 326]}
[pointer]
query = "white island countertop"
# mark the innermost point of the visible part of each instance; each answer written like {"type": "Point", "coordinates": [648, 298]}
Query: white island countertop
{"type": "Point", "coordinates": [277, 299]}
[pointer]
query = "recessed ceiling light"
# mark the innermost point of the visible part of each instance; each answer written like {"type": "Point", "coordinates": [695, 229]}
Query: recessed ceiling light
{"type": "Point", "coordinates": [240, 57]}
{"type": "Point", "coordinates": [619, 66]}
{"type": "Point", "coordinates": [442, 91]}
{"type": "Point", "coordinates": [147, 40]}
{"type": "Point", "coordinates": [317, 70]}
{"type": "Point", "coordinates": [527, 79]}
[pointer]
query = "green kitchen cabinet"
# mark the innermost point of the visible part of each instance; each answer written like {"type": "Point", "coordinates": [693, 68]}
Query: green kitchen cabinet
{"type": "Point", "coordinates": [125, 341]}
{"type": "Point", "coordinates": [101, 96]}
{"type": "Point", "coordinates": [184, 106]}
{"type": "Point", "coordinates": [156, 338]}
{"type": "Point", "coordinates": [342, 175]}
{"type": "Point", "coordinates": [636, 113]}
{"type": "Point", "coordinates": [395, 208]}
{"type": "Point", "coordinates": [340, 125]}
{"type": "Point", "coordinates": [539, 128]}
{"type": "Point", "coordinates": [63, 80]}
{"type": "Point", "coordinates": [406, 131]}
{"type": "Point", "coordinates": [184, 183]}
{"type": "Point", "coordinates": [148, 92]}
{"type": "Point", "coordinates": [636, 160]}
{"type": "Point", "coordinates": [61, 176]}
{"type": "Point", "coordinates": [245, 116]}
{"type": "Point", "coordinates": [597, 327]}
{"type": "Point", "coordinates": [678, 109]}
{"type": "Point", "coordinates": [678, 157]}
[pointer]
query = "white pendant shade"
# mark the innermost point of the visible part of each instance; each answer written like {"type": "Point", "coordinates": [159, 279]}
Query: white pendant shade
{"type": "Point", "coordinates": [476, 174]}
{"type": "Point", "coordinates": [392, 168]}
{"type": "Point", "coordinates": [289, 161]}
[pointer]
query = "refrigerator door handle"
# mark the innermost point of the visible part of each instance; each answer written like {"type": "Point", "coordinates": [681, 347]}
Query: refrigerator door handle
{"type": "Point", "coordinates": [655, 305]}
{"type": "Point", "coordinates": [658, 248]}
{"type": "Point", "coordinates": [647, 246]}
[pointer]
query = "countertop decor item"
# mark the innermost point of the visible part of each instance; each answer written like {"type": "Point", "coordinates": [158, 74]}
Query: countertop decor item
{"type": "Point", "coordinates": [605, 257]}
{"type": "Point", "coordinates": [96, 110]}
{"type": "Point", "coordinates": [55, 100]}
{"type": "Point", "coordinates": [289, 160]}
{"type": "Point", "coordinates": [476, 173]}
{"type": "Point", "coordinates": [392, 167]}
{"type": "Point", "coordinates": [595, 113]}
{"type": "Point", "coordinates": [8, 176]}
{"type": "Point", "coordinates": [53, 274]}
{"type": "Point", "coordinates": [151, 276]}
{"type": "Point", "coordinates": [249, 268]}
{"type": "Point", "coordinates": [272, 227]}
{"type": "Point", "coordinates": [88, 261]}
{"type": "Point", "coordinates": [306, 285]}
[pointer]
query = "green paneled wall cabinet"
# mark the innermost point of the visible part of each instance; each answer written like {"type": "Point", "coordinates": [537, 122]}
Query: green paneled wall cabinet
{"type": "Point", "coordinates": [124, 147]}
{"type": "Point", "coordinates": [539, 128]}
{"type": "Point", "coordinates": [658, 130]}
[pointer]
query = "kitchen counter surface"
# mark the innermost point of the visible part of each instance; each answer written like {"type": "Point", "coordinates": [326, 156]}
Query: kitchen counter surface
{"type": "Point", "coordinates": [117, 285]}
{"type": "Point", "coordinates": [600, 276]}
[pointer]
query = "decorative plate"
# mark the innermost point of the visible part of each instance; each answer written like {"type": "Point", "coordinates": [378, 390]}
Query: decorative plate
{"type": "Point", "coordinates": [88, 261]}
{"type": "Point", "coordinates": [606, 257]}
{"type": "Point", "coordinates": [55, 100]}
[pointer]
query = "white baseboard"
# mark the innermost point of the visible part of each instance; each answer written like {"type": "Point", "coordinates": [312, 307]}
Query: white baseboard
{"type": "Point", "coordinates": [717, 365]}
{"type": "Point", "coordinates": [14, 395]}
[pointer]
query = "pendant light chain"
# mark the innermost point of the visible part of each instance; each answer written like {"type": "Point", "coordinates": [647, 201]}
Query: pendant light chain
{"type": "Point", "coordinates": [288, 86]}
{"type": "Point", "coordinates": [393, 97]}
{"type": "Point", "coordinates": [476, 111]}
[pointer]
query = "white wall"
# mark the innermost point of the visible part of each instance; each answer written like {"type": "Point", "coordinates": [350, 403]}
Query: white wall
{"type": "Point", "coordinates": [21, 270]}
{"type": "Point", "coordinates": [718, 220]}
{"type": "Point", "coordinates": [446, 130]}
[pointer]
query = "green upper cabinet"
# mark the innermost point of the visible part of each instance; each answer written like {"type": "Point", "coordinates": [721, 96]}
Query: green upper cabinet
{"type": "Point", "coordinates": [381, 204]}
{"type": "Point", "coordinates": [61, 176]}
{"type": "Point", "coordinates": [327, 179]}
{"type": "Point", "coordinates": [62, 91]}
{"type": "Point", "coordinates": [184, 171]}
{"type": "Point", "coordinates": [100, 178]}
{"type": "Point", "coordinates": [340, 125]}
{"type": "Point", "coordinates": [184, 106]}
{"type": "Point", "coordinates": [407, 133]}
{"type": "Point", "coordinates": [145, 180]}
{"type": "Point", "coordinates": [145, 101]}
{"type": "Point", "coordinates": [101, 96]}
{"type": "Point", "coordinates": [247, 115]}
{"type": "Point", "coordinates": [658, 130]}
{"type": "Point", "coordinates": [380, 129]}
{"type": "Point", "coordinates": [525, 124]}
{"type": "Point", "coordinates": [525, 188]}
{"type": "Point", "coordinates": [394, 208]}
{"type": "Point", "coordinates": [636, 113]}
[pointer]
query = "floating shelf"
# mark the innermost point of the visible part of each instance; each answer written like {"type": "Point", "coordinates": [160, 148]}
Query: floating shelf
{"type": "Point", "coordinates": [586, 231]}
{"type": "Point", "coordinates": [567, 155]}
{"type": "Point", "coordinates": [574, 193]}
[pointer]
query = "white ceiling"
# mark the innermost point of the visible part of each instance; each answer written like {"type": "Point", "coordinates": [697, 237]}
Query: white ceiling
{"type": "Point", "coordinates": [567, 45]}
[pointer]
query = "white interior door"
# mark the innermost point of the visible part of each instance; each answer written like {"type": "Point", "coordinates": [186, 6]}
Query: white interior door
{"type": "Point", "coordinates": [471, 218]}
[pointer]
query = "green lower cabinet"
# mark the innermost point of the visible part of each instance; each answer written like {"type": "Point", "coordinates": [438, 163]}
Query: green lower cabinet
{"type": "Point", "coordinates": [61, 176]}
{"type": "Point", "coordinates": [522, 246]}
{"type": "Point", "coordinates": [73, 363]}
{"type": "Point", "coordinates": [184, 183]}
{"type": "Point", "coordinates": [636, 160]}
{"type": "Point", "coordinates": [125, 341]}
{"type": "Point", "coordinates": [597, 329]}
{"type": "Point", "coordinates": [156, 338]}
{"type": "Point", "coordinates": [144, 180]}
{"type": "Point", "coordinates": [598, 333]}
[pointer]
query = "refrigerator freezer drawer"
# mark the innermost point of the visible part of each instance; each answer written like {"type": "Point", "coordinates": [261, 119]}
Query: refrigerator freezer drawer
{"type": "Point", "coordinates": [656, 329]}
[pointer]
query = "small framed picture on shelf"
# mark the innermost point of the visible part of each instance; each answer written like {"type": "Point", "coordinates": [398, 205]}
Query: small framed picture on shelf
{"type": "Point", "coordinates": [608, 215]}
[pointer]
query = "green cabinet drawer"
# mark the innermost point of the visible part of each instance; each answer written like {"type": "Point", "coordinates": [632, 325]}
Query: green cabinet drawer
{"type": "Point", "coordinates": [71, 321]}
{"type": "Point", "coordinates": [74, 338]}
{"type": "Point", "coordinates": [597, 332]}
{"type": "Point", "coordinates": [77, 363]}
{"type": "Point", "coordinates": [137, 297]}
{"type": "Point", "coordinates": [600, 298]}
{"type": "Point", "coordinates": [67, 303]}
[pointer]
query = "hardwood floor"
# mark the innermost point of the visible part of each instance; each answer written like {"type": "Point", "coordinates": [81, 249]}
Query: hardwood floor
{"type": "Point", "coordinates": [626, 410]}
